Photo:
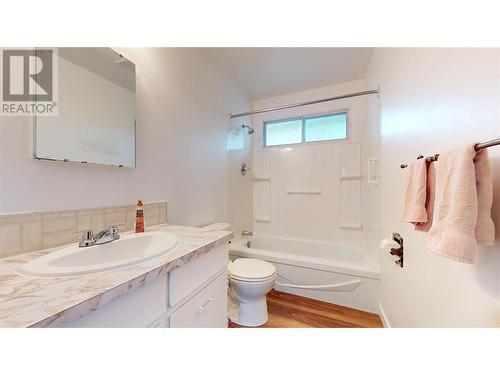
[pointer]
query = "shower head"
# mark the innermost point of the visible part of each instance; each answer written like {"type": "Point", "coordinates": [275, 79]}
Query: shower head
{"type": "Point", "coordinates": [250, 130]}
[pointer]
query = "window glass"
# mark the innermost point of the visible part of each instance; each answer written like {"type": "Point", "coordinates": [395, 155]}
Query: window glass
{"type": "Point", "coordinates": [306, 129]}
{"type": "Point", "coordinates": [283, 132]}
{"type": "Point", "coordinates": [323, 128]}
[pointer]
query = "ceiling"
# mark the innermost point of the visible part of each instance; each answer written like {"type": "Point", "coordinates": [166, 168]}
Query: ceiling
{"type": "Point", "coordinates": [267, 72]}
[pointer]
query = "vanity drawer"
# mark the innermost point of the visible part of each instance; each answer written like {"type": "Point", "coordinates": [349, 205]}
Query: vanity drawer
{"type": "Point", "coordinates": [207, 309]}
{"type": "Point", "coordinates": [186, 279]}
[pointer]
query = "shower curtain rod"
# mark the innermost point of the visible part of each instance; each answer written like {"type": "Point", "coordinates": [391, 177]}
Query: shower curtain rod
{"type": "Point", "coordinates": [352, 95]}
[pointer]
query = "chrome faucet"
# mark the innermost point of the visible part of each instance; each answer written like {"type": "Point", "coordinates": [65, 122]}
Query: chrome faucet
{"type": "Point", "coordinates": [104, 236]}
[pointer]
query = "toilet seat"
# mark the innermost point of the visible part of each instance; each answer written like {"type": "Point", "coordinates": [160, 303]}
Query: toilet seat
{"type": "Point", "coordinates": [249, 280]}
{"type": "Point", "coordinates": [251, 270]}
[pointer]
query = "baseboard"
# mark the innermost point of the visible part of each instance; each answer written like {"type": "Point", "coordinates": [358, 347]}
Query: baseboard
{"type": "Point", "coordinates": [383, 317]}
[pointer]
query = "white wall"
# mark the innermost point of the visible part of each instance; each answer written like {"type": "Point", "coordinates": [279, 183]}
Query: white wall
{"type": "Point", "coordinates": [433, 100]}
{"type": "Point", "coordinates": [183, 103]}
{"type": "Point", "coordinates": [310, 167]}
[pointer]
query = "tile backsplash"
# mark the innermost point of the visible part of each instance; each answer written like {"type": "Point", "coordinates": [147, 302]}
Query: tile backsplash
{"type": "Point", "coordinates": [30, 231]}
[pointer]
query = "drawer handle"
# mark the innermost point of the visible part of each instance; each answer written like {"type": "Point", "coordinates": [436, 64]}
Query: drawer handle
{"type": "Point", "coordinates": [202, 308]}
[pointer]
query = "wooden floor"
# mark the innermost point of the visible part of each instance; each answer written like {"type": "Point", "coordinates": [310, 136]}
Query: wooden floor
{"type": "Point", "coordinates": [291, 311]}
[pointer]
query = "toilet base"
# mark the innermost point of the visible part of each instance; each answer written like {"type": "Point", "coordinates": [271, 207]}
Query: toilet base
{"type": "Point", "coordinates": [249, 284]}
{"type": "Point", "coordinates": [250, 314]}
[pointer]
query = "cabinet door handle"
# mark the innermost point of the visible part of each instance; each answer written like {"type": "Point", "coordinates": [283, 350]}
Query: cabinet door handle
{"type": "Point", "coordinates": [205, 305]}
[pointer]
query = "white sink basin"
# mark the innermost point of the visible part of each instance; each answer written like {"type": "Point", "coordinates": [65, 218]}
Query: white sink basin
{"type": "Point", "coordinates": [128, 250]}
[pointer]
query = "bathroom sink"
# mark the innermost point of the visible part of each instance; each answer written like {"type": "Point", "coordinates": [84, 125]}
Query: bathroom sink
{"type": "Point", "coordinates": [128, 250]}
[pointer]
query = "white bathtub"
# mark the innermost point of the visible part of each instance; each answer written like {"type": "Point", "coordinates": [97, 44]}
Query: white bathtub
{"type": "Point", "coordinates": [320, 270]}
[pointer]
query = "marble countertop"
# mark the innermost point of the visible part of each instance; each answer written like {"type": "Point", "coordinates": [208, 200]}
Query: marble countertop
{"type": "Point", "coordinates": [45, 302]}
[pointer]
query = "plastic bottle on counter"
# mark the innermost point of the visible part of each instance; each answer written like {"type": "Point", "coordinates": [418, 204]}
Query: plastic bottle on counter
{"type": "Point", "coordinates": [139, 217]}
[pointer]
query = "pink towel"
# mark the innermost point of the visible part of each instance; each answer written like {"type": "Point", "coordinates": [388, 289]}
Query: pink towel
{"type": "Point", "coordinates": [462, 210]}
{"type": "Point", "coordinates": [414, 210]}
{"type": "Point", "coordinates": [429, 198]}
{"type": "Point", "coordinates": [485, 228]}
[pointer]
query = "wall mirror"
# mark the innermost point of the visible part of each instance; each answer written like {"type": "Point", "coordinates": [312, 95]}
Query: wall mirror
{"type": "Point", "coordinates": [95, 121]}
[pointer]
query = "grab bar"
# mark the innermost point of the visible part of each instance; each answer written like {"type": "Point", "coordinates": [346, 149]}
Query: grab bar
{"type": "Point", "coordinates": [303, 191]}
{"type": "Point", "coordinates": [354, 284]}
{"type": "Point", "coordinates": [263, 219]}
{"type": "Point", "coordinates": [261, 178]}
{"type": "Point", "coordinates": [374, 180]}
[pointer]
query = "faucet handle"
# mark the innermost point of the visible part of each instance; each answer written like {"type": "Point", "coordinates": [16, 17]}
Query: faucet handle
{"type": "Point", "coordinates": [87, 233]}
{"type": "Point", "coordinates": [113, 229]}
{"type": "Point", "coordinates": [87, 237]}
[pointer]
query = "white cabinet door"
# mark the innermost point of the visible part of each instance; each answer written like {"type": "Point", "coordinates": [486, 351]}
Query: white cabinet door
{"type": "Point", "coordinates": [208, 308]}
{"type": "Point", "coordinates": [138, 309]}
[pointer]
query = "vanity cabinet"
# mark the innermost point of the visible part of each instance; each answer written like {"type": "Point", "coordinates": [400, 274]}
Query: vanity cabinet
{"type": "Point", "coordinates": [193, 295]}
{"type": "Point", "coordinates": [197, 292]}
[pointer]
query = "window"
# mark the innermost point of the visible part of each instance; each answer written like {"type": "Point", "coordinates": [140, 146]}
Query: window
{"type": "Point", "coordinates": [306, 129]}
{"type": "Point", "coordinates": [283, 132]}
{"type": "Point", "coordinates": [325, 128]}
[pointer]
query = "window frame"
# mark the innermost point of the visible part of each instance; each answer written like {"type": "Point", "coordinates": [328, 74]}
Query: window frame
{"type": "Point", "coordinates": [303, 129]}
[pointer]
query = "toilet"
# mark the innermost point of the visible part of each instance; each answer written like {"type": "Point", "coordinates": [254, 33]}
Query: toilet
{"type": "Point", "coordinates": [249, 282]}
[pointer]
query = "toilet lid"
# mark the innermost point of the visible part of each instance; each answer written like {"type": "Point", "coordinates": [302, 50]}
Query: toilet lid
{"type": "Point", "coordinates": [251, 269]}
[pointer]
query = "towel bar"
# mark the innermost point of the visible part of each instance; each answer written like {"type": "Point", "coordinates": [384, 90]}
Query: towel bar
{"type": "Point", "coordinates": [479, 146]}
